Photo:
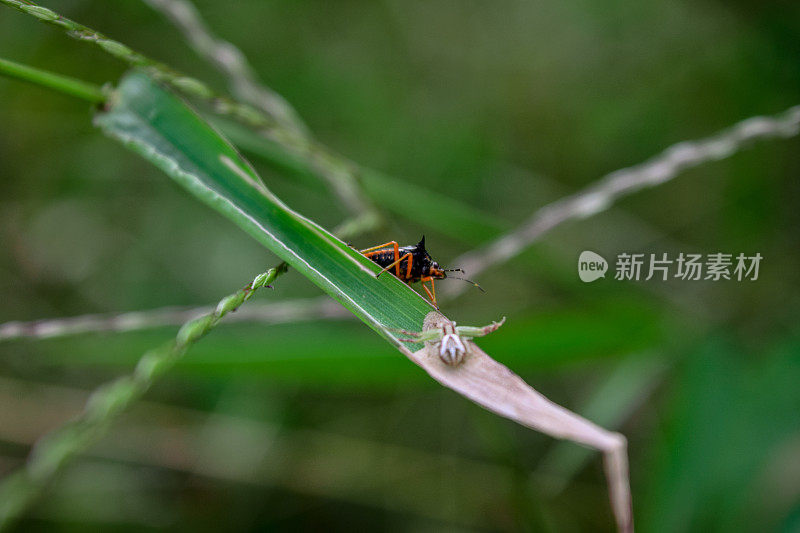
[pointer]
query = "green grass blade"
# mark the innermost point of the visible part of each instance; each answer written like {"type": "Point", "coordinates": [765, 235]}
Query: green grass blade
{"type": "Point", "coordinates": [161, 128]}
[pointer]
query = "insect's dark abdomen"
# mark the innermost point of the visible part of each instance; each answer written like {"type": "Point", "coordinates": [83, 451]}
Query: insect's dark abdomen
{"type": "Point", "coordinates": [384, 258]}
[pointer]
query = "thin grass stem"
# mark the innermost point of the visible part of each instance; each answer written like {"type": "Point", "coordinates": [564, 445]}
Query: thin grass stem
{"type": "Point", "coordinates": [50, 80]}
{"type": "Point", "coordinates": [58, 448]}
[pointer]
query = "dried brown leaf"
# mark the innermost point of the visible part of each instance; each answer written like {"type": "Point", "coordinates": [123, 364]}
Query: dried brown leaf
{"type": "Point", "coordinates": [496, 388]}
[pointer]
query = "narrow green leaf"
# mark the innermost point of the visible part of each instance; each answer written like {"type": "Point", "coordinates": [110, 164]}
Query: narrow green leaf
{"type": "Point", "coordinates": [161, 128]}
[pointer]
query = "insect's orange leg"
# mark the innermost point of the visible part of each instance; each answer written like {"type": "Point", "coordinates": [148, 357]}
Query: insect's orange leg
{"type": "Point", "coordinates": [377, 249]}
{"type": "Point", "coordinates": [431, 295]}
{"type": "Point", "coordinates": [395, 264]}
{"type": "Point", "coordinates": [408, 269]}
{"type": "Point", "coordinates": [393, 244]}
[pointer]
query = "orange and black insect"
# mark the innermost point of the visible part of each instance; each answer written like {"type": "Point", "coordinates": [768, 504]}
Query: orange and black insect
{"type": "Point", "coordinates": [410, 264]}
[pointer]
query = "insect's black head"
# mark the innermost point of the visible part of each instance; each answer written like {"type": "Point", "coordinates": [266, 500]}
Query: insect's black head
{"type": "Point", "coordinates": [432, 268]}
{"type": "Point", "coordinates": [436, 271]}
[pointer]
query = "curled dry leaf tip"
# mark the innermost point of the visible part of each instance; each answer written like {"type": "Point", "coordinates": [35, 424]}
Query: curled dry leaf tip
{"type": "Point", "coordinates": [496, 388]}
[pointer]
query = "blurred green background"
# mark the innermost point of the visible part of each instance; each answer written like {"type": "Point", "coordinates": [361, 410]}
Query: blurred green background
{"type": "Point", "coordinates": [322, 425]}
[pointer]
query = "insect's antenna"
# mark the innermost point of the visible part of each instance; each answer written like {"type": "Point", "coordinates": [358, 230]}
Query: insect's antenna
{"type": "Point", "coordinates": [462, 279]}
{"type": "Point", "coordinates": [467, 280]}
